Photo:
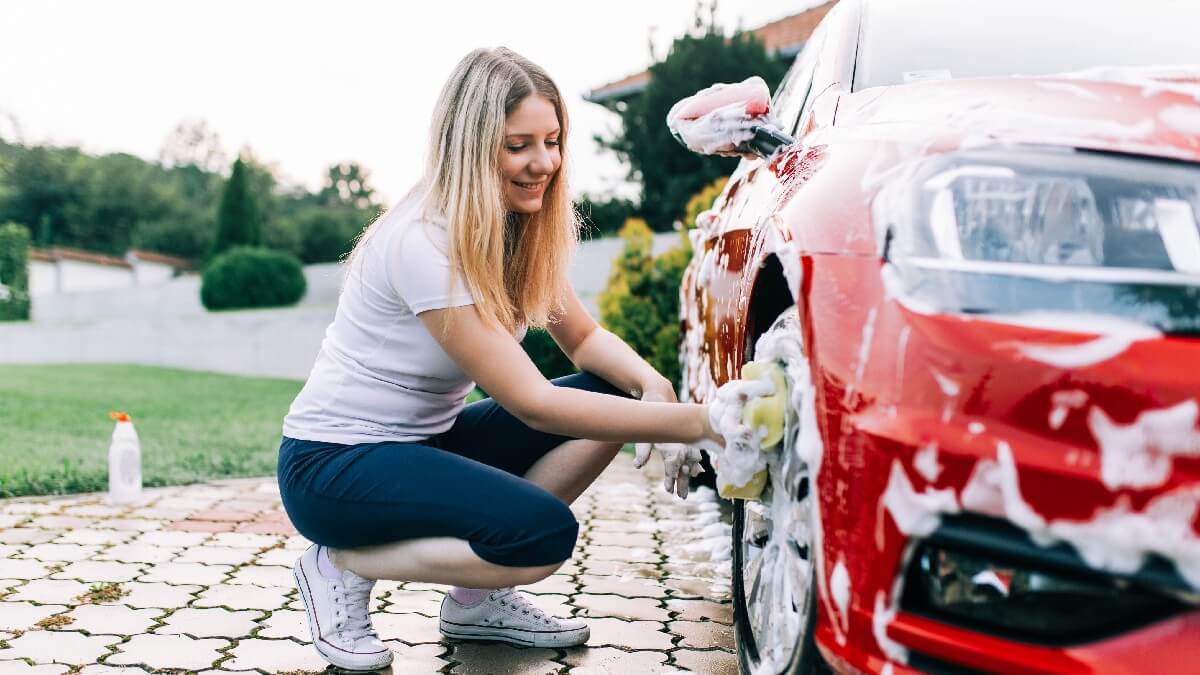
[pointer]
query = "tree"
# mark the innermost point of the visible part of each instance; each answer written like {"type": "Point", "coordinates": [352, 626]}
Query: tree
{"type": "Point", "coordinates": [192, 143]}
{"type": "Point", "coordinates": [669, 173]}
{"type": "Point", "coordinates": [238, 217]}
{"type": "Point", "coordinates": [346, 185]}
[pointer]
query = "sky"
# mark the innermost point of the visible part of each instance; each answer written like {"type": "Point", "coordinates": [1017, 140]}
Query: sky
{"type": "Point", "coordinates": [307, 84]}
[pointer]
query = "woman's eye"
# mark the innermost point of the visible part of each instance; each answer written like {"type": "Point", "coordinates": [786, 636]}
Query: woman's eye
{"type": "Point", "coordinates": [516, 148]}
{"type": "Point", "coordinates": [553, 142]}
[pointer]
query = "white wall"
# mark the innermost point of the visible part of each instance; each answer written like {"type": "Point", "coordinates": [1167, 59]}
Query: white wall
{"type": "Point", "coordinates": [83, 276]}
{"type": "Point", "coordinates": [43, 278]}
{"type": "Point", "coordinates": [152, 273]}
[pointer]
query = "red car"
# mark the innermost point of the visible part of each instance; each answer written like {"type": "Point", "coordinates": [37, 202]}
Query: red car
{"type": "Point", "coordinates": [984, 239]}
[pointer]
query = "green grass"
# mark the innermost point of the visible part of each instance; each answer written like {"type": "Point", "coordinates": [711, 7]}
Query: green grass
{"type": "Point", "coordinates": [55, 429]}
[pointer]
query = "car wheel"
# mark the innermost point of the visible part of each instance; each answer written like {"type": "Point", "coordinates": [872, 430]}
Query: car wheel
{"type": "Point", "coordinates": [774, 583]}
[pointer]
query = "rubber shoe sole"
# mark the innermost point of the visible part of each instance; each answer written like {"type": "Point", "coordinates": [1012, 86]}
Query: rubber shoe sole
{"type": "Point", "coordinates": [516, 636]}
{"type": "Point", "coordinates": [335, 658]}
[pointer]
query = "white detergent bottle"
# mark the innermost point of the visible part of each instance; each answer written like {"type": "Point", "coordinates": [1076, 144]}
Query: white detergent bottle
{"type": "Point", "coordinates": [124, 462]}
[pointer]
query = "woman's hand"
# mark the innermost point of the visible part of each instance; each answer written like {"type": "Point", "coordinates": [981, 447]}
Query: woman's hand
{"type": "Point", "coordinates": [680, 462]}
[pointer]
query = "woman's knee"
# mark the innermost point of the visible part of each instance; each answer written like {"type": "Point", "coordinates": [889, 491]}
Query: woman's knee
{"type": "Point", "coordinates": [545, 538]}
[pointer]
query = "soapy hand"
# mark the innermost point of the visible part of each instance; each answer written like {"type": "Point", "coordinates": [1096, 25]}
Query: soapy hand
{"type": "Point", "coordinates": [680, 462]}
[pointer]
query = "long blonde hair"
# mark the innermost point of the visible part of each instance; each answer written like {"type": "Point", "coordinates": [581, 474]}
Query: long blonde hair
{"type": "Point", "coordinates": [514, 265]}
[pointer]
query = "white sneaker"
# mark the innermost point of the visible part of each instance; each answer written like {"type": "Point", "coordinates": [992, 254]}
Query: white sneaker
{"type": "Point", "coordinates": [509, 616]}
{"type": "Point", "coordinates": [338, 616]}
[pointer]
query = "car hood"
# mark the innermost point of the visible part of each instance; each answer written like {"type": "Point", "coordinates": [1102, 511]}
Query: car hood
{"type": "Point", "coordinates": [1138, 111]}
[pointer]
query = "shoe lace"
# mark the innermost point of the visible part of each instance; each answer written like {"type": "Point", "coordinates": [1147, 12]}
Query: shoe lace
{"type": "Point", "coordinates": [510, 596]}
{"type": "Point", "coordinates": [355, 603]}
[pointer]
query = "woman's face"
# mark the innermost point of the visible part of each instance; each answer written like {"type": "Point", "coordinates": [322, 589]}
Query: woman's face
{"type": "Point", "coordinates": [531, 154]}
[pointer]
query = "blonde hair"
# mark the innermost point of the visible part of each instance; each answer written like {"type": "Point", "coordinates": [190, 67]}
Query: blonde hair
{"type": "Point", "coordinates": [514, 265]}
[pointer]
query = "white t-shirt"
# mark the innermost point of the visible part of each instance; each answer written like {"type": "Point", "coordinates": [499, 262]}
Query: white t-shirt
{"type": "Point", "coordinates": [380, 375]}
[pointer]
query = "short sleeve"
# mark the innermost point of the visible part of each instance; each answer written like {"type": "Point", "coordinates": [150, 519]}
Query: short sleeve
{"type": "Point", "coordinates": [419, 270]}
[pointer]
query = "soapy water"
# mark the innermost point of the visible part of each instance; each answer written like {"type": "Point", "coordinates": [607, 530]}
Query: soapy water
{"type": "Point", "coordinates": [719, 119]}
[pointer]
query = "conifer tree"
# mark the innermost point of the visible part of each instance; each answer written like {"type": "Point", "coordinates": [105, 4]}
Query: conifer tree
{"type": "Point", "coordinates": [239, 222]}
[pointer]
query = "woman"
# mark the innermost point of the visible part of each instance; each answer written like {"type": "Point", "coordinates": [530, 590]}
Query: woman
{"type": "Point", "coordinates": [382, 466]}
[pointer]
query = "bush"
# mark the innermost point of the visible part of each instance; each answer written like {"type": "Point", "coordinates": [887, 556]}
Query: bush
{"type": "Point", "coordinates": [245, 277]}
{"type": "Point", "coordinates": [239, 218]}
{"type": "Point", "coordinates": [175, 236]}
{"type": "Point", "coordinates": [545, 354]}
{"type": "Point", "coordinates": [327, 234]}
{"type": "Point", "coordinates": [641, 302]}
{"type": "Point", "coordinates": [603, 218]}
{"type": "Point", "coordinates": [14, 272]}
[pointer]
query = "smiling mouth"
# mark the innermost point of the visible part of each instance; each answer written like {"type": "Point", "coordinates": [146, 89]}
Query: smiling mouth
{"type": "Point", "coordinates": [529, 187]}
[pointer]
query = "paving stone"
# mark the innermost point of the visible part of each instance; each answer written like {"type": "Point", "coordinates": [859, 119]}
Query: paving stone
{"type": "Point", "coordinates": [42, 646]}
{"type": "Point", "coordinates": [623, 554]}
{"type": "Point", "coordinates": [210, 622]}
{"type": "Point", "coordinates": [9, 520]}
{"type": "Point", "coordinates": [610, 661]}
{"type": "Point", "coordinates": [712, 662]}
{"type": "Point", "coordinates": [96, 537]}
{"type": "Point", "coordinates": [30, 508]}
{"type": "Point", "coordinates": [61, 522]}
{"type": "Point", "coordinates": [59, 552]}
{"type": "Point", "coordinates": [112, 619]}
{"type": "Point", "coordinates": [188, 504]}
{"type": "Point", "coordinates": [186, 573]}
{"type": "Point", "coordinates": [15, 667]}
{"type": "Point", "coordinates": [95, 510]}
{"type": "Point", "coordinates": [263, 576]}
{"type": "Point", "coordinates": [172, 539]}
{"type": "Point", "coordinates": [620, 568]}
{"type": "Point", "coordinates": [639, 539]}
{"type": "Point", "coordinates": [697, 610]}
{"type": "Point", "coordinates": [14, 568]}
{"type": "Point", "coordinates": [243, 597]}
{"type": "Point", "coordinates": [554, 605]}
{"type": "Point", "coordinates": [417, 658]}
{"type": "Point", "coordinates": [646, 609]}
{"type": "Point", "coordinates": [555, 583]}
{"type": "Point", "coordinates": [690, 588]}
{"type": "Point", "coordinates": [274, 656]}
{"type": "Point", "coordinates": [283, 557]}
{"type": "Point", "coordinates": [7, 550]}
{"type": "Point", "coordinates": [166, 596]}
{"type": "Point", "coordinates": [425, 602]}
{"type": "Point", "coordinates": [90, 571]}
{"type": "Point", "coordinates": [487, 659]}
{"type": "Point", "coordinates": [288, 623]}
{"type": "Point", "coordinates": [703, 634]}
{"type": "Point", "coordinates": [47, 591]}
{"type": "Point", "coordinates": [609, 525]}
{"type": "Point", "coordinates": [26, 535]}
{"type": "Point", "coordinates": [216, 555]}
{"type": "Point", "coordinates": [408, 628]}
{"type": "Point", "coordinates": [131, 524]}
{"type": "Point", "coordinates": [155, 513]}
{"type": "Point", "coordinates": [23, 615]}
{"type": "Point", "coordinates": [296, 543]}
{"type": "Point", "coordinates": [628, 634]}
{"type": "Point", "coordinates": [628, 586]}
{"type": "Point", "coordinates": [197, 526]}
{"type": "Point", "coordinates": [241, 540]}
{"type": "Point", "coordinates": [168, 651]}
{"type": "Point", "coordinates": [97, 669]}
{"type": "Point", "coordinates": [266, 527]}
{"type": "Point", "coordinates": [222, 515]}
{"type": "Point", "coordinates": [138, 553]}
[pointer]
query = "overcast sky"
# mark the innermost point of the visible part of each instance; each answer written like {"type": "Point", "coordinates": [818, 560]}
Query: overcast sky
{"type": "Point", "coordinates": [306, 84]}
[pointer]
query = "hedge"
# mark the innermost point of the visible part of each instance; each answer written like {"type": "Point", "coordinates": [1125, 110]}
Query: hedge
{"type": "Point", "coordinates": [14, 272]}
{"type": "Point", "coordinates": [245, 277]}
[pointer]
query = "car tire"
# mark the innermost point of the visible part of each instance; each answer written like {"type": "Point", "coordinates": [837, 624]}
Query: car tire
{"type": "Point", "coordinates": [774, 556]}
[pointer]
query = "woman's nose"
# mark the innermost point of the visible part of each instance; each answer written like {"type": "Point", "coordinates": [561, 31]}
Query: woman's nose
{"type": "Point", "coordinates": [542, 162]}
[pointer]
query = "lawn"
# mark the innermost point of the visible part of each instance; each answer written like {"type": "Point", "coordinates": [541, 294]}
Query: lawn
{"type": "Point", "coordinates": [55, 429]}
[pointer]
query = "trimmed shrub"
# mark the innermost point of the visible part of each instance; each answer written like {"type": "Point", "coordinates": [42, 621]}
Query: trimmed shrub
{"type": "Point", "coordinates": [239, 218]}
{"type": "Point", "coordinates": [245, 277]}
{"type": "Point", "coordinates": [14, 272]}
{"type": "Point", "coordinates": [545, 354]}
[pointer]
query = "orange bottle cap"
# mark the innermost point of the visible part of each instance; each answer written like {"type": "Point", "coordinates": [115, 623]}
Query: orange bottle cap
{"type": "Point", "coordinates": [119, 416]}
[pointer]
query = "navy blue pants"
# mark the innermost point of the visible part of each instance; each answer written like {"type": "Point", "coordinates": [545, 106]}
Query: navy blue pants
{"type": "Point", "coordinates": [465, 483]}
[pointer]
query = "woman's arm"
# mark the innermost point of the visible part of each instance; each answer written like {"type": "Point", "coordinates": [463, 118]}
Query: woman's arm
{"type": "Point", "coordinates": [492, 358]}
{"type": "Point", "coordinates": [593, 348]}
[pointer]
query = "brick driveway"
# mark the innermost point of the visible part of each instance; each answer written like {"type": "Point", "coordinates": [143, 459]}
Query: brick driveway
{"type": "Point", "coordinates": [198, 579]}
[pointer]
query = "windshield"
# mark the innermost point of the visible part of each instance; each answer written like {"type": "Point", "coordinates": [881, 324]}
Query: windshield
{"type": "Point", "coordinates": [920, 40]}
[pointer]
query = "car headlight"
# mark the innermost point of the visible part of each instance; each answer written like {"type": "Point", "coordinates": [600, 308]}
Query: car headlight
{"type": "Point", "coordinates": [1112, 232]}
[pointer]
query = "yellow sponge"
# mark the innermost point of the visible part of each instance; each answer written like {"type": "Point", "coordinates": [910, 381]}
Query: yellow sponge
{"type": "Point", "coordinates": [766, 411]}
{"type": "Point", "coordinates": [751, 490]}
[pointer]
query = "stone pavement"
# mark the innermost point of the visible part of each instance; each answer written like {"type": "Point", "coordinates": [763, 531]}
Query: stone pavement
{"type": "Point", "coordinates": [198, 579]}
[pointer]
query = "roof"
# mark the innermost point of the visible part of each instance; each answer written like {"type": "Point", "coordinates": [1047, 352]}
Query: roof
{"type": "Point", "coordinates": [784, 37]}
{"type": "Point", "coordinates": [137, 254]}
{"type": "Point", "coordinates": [58, 253]}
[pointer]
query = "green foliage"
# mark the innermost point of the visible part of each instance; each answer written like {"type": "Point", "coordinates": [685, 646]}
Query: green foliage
{"type": "Point", "coordinates": [327, 233]}
{"type": "Point", "coordinates": [238, 218]}
{"type": "Point", "coordinates": [14, 272]}
{"type": "Point", "coordinates": [641, 302]}
{"type": "Point", "coordinates": [193, 426]}
{"type": "Point", "coordinates": [245, 277]}
{"type": "Point", "coordinates": [546, 355]}
{"type": "Point", "coordinates": [668, 172]}
{"type": "Point", "coordinates": [604, 218]}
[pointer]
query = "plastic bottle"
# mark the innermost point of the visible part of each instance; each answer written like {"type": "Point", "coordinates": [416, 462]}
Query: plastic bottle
{"type": "Point", "coordinates": [124, 462]}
